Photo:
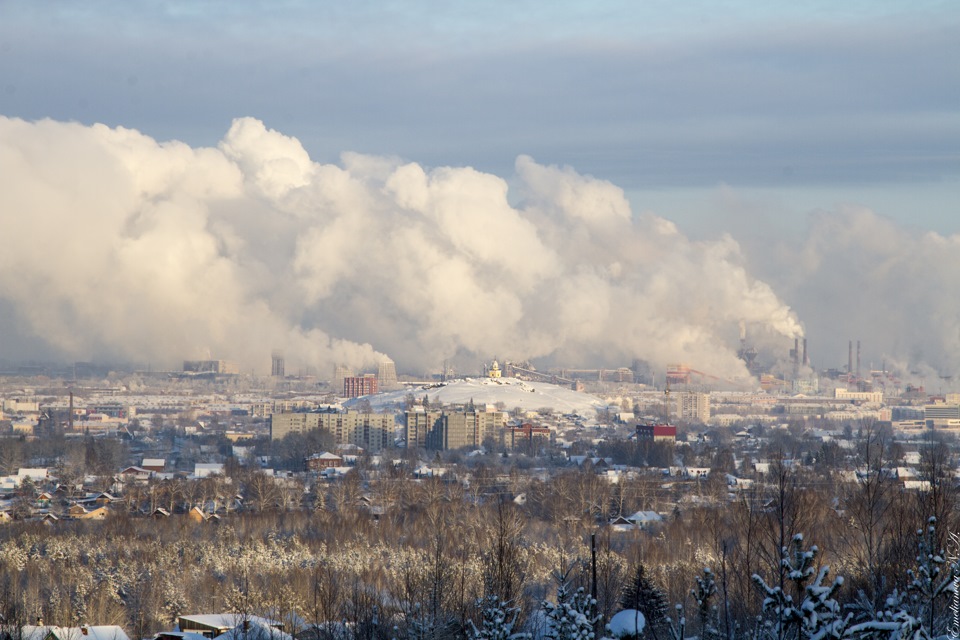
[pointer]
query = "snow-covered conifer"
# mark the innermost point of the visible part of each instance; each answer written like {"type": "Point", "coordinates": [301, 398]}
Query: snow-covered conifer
{"type": "Point", "coordinates": [815, 614]}
{"type": "Point", "coordinates": [498, 621]}
{"type": "Point", "coordinates": [573, 616]}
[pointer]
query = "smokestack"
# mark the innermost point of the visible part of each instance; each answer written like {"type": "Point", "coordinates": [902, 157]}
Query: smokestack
{"type": "Point", "coordinates": [858, 359]}
{"type": "Point", "coordinates": [805, 361]}
{"type": "Point", "coordinates": [850, 358]}
{"type": "Point", "coordinates": [70, 416]}
{"type": "Point", "coordinates": [796, 351]}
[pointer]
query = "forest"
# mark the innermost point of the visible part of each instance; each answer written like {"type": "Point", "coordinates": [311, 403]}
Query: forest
{"type": "Point", "coordinates": [802, 554]}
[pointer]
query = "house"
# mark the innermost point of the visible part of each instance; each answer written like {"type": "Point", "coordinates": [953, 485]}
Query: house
{"type": "Point", "coordinates": [621, 524]}
{"type": "Point", "coordinates": [645, 518]}
{"type": "Point", "coordinates": [100, 513]}
{"type": "Point", "coordinates": [86, 632]}
{"type": "Point", "coordinates": [76, 511]}
{"type": "Point", "coordinates": [156, 465]}
{"type": "Point", "coordinates": [255, 629]}
{"type": "Point", "coordinates": [325, 460]}
{"type": "Point", "coordinates": [197, 515]}
{"type": "Point", "coordinates": [207, 469]}
{"type": "Point", "coordinates": [136, 474]}
{"type": "Point", "coordinates": [36, 475]}
{"type": "Point", "coordinates": [216, 624]}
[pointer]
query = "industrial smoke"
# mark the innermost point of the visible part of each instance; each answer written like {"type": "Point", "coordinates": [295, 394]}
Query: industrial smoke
{"type": "Point", "coordinates": [120, 246]}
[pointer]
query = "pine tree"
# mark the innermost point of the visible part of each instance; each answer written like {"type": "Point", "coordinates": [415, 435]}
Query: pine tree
{"type": "Point", "coordinates": [644, 596]}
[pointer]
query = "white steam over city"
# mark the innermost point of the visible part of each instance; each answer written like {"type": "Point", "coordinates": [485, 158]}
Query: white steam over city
{"type": "Point", "coordinates": [146, 250]}
{"type": "Point", "coordinates": [132, 248]}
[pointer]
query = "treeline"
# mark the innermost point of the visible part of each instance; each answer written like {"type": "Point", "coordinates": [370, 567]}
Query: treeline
{"type": "Point", "coordinates": [389, 556]}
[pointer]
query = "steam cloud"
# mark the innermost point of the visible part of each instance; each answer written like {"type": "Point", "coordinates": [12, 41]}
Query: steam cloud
{"type": "Point", "coordinates": [117, 245]}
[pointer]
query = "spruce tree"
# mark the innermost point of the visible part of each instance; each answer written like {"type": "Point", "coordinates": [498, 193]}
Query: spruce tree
{"type": "Point", "coordinates": [644, 596]}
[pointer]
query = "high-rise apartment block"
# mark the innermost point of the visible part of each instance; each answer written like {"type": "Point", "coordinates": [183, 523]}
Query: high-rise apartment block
{"type": "Point", "coordinates": [442, 430]}
{"type": "Point", "coordinates": [693, 406]}
{"type": "Point", "coordinates": [356, 386]}
{"type": "Point", "coordinates": [277, 367]}
{"type": "Point", "coordinates": [371, 431]}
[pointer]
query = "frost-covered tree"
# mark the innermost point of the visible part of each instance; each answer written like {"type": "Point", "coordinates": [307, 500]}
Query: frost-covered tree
{"type": "Point", "coordinates": [920, 612]}
{"type": "Point", "coordinates": [498, 621]}
{"type": "Point", "coordinates": [573, 616]}
{"type": "Point", "coordinates": [811, 612]}
{"type": "Point", "coordinates": [707, 612]}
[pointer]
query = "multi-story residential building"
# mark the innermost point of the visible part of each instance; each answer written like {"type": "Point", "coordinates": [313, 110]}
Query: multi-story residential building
{"type": "Point", "coordinates": [356, 386]}
{"type": "Point", "coordinates": [417, 424]}
{"type": "Point", "coordinates": [442, 430]}
{"type": "Point", "coordinates": [526, 437]}
{"type": "Point", "coordinates": [371, 431]}
{"type": "Point", "coordinates": [693, 406]}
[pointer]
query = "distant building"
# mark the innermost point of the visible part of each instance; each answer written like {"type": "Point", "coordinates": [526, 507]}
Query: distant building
{"type": "Point", "coordinates": [157, 465]}
{"type": "Point", "coordinates": [656, 433]}
{"type": "Point", "coordinates": [871, 397]}
{"type": "Point", "coordinates": [942, 415]}
{"type": "Point", "coordinates": [371, 431]}
{"type": "Point", "coordinates": [387, 375]}
{"type": "Point", "coordinates": [210, 366]}
{"type": "Point", "coordinates": [693, 406]}
{"type": "Point", "coordinates": [325, 460]}
{"type": "Point", "coordinates": [356, 386]}
{"type": "Point", "coordinates": [526, 437]}
{"type": "Point", "coordinates": [340, 373]}
{"type": "Point", "coordinates": [277, 365]}
{"type": "Point", "coordinates": [442, 430]}
{"type": "Point", "coordinates": [417, 424]}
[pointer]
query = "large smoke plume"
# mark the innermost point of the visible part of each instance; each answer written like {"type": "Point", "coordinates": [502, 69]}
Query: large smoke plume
{"type": "Point", "coordinates": [117, 245]}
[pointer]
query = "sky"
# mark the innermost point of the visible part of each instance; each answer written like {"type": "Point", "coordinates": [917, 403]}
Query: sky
{"type": "Point", "coordinates": [799, 163]}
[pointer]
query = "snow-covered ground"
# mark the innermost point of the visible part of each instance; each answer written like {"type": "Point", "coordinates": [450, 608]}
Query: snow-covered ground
{"type": "Point", "coordinates": [528, 396]}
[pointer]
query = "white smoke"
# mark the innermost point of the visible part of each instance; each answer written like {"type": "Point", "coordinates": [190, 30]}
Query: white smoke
{"type": "Point", "coordinates": [119, 245]}
{"type": "Point", "coordinates": [860, 276]}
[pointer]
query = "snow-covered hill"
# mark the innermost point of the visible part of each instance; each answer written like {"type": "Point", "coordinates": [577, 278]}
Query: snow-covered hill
{"type": "Point", "coordinates": [528, 396]}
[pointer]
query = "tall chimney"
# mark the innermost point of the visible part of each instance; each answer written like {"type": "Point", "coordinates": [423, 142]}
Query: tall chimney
{"type": "Point", "coordinates": [805, 361]}
{"type": "Point", "coordinates": [850, 358]}
{"type": "Point", "coordinates": [858, 359]}
{"type": "Point", "coordinates": [796, 351]}
{"type": "Point", "coordinates": [70, 417]}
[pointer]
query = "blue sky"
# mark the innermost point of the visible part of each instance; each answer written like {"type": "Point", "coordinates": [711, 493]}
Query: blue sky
{"type": "Point", "coordinates": [754, 119]}
{"type": "Point", "coordinates": [659, 96]}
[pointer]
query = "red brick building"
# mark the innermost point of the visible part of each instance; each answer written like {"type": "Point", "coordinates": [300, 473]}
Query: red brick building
{"type": "Point", "coordinates": [325, 460]}
{"type": "Point", "coordinates": [356, 386]}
